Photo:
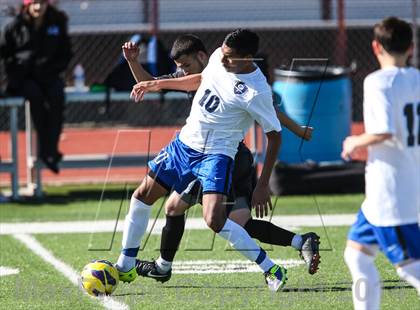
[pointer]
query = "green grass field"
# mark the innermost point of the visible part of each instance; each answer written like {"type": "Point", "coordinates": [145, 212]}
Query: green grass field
{"type": "Point", "coordinates": [39, 285]}
{"type": "Point", "coordinates": [82, 203]}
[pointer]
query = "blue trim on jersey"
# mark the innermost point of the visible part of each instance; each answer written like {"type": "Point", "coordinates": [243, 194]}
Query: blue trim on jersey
{"type": "Point", "coordinates": [398, 243]}
{"type": "Point", "coordinates": [177, 165]}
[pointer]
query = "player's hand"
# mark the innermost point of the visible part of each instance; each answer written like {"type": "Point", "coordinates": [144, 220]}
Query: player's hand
{"type": "Point", "coordinates": [261, 201]}
{"type": "Point", "coordinates": [350, 147]}
{"type": "Point", "coordinates": [141, 88]}
{"type": "Point", "coordinates": [130, 51]}
{"type": "Point", "coordinates": [306, 132]}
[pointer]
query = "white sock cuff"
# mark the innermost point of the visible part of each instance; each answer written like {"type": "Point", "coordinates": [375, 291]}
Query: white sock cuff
{"type": "Point", "coordinates": [163, 261]}
{"type": "Point", "coordinates": [138, 203]}
{"type": "Point", "coordinates": [353, 255]}
{"type": "Point", "coordinates": [138, 208]}
{"type": "Point", "coordinates": [414, 265]}
{"type": "Point", "coordinates": [411, 273]}
{"type": "Point", "coordinates": [163, 265]}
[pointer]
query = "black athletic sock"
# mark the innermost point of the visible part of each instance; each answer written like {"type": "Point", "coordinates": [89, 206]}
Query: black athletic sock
{"type": "Point", "coordinates": [171, 236]}
{"type": "Point", "coordinates": [269, 233]}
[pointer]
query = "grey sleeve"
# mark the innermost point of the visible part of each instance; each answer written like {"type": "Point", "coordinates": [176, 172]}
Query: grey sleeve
{"type": "Point", "coordinates": [173, 75]}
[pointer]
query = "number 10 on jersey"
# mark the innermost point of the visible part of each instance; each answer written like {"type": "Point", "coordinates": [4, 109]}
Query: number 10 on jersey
{"type": "Point", "coordinates": [211, 104]}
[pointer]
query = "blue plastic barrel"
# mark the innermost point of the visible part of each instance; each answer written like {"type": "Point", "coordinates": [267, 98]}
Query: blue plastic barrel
{"type": "Point", "coordinates": [322, 97]}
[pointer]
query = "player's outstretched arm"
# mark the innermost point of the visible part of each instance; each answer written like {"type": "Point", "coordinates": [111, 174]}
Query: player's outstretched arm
{"type": "Point", "coordinates": [304, 132]}
{"type": "Point", "coordinates": [352, 144]}
{"type": "Point", "coordinates": [131, 53]}
{"type": "Point", "coordinates": [186, 83]}
{"type": "Point", "coordinates": [261, 199]}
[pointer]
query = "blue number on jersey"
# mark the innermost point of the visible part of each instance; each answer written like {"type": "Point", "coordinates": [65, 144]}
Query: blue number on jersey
{"type": "Point", "coordinates": [211, 104]}
{"type": "Point", "coordinates": [409, 114]}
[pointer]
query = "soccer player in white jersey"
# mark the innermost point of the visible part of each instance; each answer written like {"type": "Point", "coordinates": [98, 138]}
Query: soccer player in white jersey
{"type": "Point", "coordinates": [191, 57]}
{"type": "Point", "coordinates": [231, 93]}
{"type": "Point", "coordinates": [388, 219]}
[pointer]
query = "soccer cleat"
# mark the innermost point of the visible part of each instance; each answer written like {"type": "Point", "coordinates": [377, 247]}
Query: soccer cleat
{"type": "Point", "coordinates": [128, 276]}
{"type": "Point", "coordinates": [310, 251]}
{"type": "Point", "coordinates": [149, 270]}
{"type": "Point", "coordinates": [276, 277]}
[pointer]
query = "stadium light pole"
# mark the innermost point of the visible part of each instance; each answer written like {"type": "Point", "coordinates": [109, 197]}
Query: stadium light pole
{"type": "Point", "coordinates": [326, 9]}
{"type": "Point", "coordinates": [145, 11]}
{"type": "Point", "coordinates": [155, 18]}
{"type": "Point", "coordinates": [415, 37]}
{"type": "Point", "coordinates": [341, 47]}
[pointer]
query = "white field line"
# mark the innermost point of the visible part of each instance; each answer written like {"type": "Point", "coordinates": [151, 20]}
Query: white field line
{"type": "Point", "coordinates": [224, 266]}
{"type": "Point", "coordinates": [287, 221]}
{"type": "Point", "coordinates": [6, 271]}
{"type": "Point", "coordinates": [36, 247]}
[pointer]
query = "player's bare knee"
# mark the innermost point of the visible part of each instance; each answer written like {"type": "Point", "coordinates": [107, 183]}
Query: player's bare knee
{"type": "Point", "coordinates": [170, 209]}
{"type": "Point", "coordinates": [214, 219]}
{"type": "Point", "coordinates": [214, 222]}
{"type": "Point", "coordinates": [149, 191]}
{"type": "Point", "coordinates": [173, 209]}
{"type": "Point", "coordinates": [141, 194]}
{"type": "Point", "coordinates": [175, 205]}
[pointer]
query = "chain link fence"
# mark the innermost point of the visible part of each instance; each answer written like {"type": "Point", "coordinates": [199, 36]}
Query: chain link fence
{"type": "Point", "coordinates": [288, 29]}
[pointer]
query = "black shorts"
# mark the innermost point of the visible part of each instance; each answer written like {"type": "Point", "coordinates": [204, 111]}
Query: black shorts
{"type": "Point", "coordinates": [243, 182]}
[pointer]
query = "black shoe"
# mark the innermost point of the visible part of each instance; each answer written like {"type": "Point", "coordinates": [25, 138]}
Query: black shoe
{"type": "Point", "coordinates": [58, 157]}
{"type": "Point", "coordinates": [310, 251]}
{"type": "Point", "coordinates": [149, 270]}
{"type": "Point", "coordinates": [51, 164]}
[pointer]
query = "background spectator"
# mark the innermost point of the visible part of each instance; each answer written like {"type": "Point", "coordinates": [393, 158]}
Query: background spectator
{"type": "Point", "coordinates": [36, 49]}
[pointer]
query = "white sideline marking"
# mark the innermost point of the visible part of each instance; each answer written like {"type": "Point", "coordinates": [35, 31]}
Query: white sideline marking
{"type": "Point", "coordinates": [286, 221]}
{"type": "Point", "coordinates": [7, 271]}
{"type": "Point", "coordinates": [225, 266]}
{"type": "Point", "coordinates": [67, 271]}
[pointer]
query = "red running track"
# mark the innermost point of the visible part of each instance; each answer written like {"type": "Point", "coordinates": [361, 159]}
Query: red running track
{"type": "Point", "coordinates": [93, 141]}
{"type": "Point", "coordinates": [101, 141]}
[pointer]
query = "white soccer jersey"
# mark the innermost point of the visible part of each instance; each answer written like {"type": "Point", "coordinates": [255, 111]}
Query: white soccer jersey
{"type": "Point", "coordinates": [392, 105]}
{"type": "Point", "coordinates": [225, 106]}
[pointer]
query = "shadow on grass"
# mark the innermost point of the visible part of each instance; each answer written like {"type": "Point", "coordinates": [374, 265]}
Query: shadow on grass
{"type": "Point", "coordinates": [129, 294]}
{"type": "Point", "coordinates": [337, 287]}
{"type": "Point", "coordinates": [74, 195]}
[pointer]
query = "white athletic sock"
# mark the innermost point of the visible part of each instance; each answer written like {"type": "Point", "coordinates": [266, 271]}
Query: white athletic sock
{"type": "Point", "coordinates": [366, 288]}
{"type": "Point", "coordinates": [163, 265]}
{"type": "Point", "coordinates": [297, 242]}
{"type": "Point", "coordinates": [242, 242]}
{"type": "Point", "coordinates": [135, 225]}
{"type": "Point", "coordinates": [411, 274]}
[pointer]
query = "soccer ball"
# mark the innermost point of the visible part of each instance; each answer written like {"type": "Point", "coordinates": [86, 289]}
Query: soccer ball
{"type": "Point", "coordinates": [99, 277]}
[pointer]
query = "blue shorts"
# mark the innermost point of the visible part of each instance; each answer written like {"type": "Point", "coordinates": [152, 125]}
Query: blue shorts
{"type": "Point", "coordinates": [398, 243]}
{"type": "Point", "coordinates": [177, 165]}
